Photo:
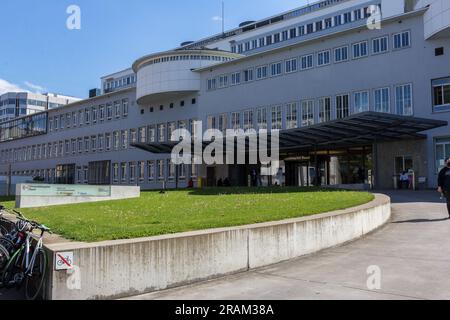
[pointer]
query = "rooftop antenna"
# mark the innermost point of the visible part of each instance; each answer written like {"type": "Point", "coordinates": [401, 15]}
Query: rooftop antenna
{"type": "Point", "coordinates": [223, 17]}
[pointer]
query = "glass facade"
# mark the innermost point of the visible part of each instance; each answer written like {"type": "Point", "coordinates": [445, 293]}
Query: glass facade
{"type": "Point", "coordinates": [24, 127]}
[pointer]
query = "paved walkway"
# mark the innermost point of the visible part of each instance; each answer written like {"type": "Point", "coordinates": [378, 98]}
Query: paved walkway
{"type": "Point", "coordinates": [413, 253]}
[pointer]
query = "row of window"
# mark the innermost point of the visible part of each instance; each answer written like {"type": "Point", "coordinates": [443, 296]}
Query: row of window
{"type": "Point", "coordinates": [308, 112]}
{"type": "Point", "coordinates": [104, 142]}
{"type": "Point", "coordinates": [341, 54]}
{"type": "Point", "coordinates": [302, 30]}
{"type": "Point", "coordinates": [151, 171]}
{"type": "Point", "coordinates": [125, 172]}
{"type": "Point", "coordinates": [120, 83]}
{"type": "Point", "coordinates": [88, 116]}
{"type": "Point", "coordinates": [185, 57]}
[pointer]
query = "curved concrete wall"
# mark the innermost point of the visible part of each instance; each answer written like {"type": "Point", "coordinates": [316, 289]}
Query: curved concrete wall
{"type": "Point", "coordinates": [172, 74]}
{"type": "Point", "coordinates": [116, 269]}
{"type": "Point", "coordinates": [437, 18]}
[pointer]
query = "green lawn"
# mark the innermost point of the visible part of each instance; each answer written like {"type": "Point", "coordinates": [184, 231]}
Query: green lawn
{"type": "Point", "coordinates": [186, 210]}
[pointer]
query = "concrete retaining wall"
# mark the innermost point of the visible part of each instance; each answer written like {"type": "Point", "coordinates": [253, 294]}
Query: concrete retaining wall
{"type": "Point", "coordinates": [116, 269]}
{"type": "Point", "coordinates": [31, 201]}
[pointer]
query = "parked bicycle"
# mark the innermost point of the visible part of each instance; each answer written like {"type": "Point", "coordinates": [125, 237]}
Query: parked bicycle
{"type": "Point", "coordinates": [22, 257]}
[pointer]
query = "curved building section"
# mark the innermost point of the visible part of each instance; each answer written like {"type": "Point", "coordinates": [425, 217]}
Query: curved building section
{"type": "Point", "coordinates": [437, 19]}
{"type": "Point", "coordinates": [171, 73]}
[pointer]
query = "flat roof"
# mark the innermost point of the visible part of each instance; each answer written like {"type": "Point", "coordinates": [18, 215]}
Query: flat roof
{"type": "Point", "coordinates": [357, 130]}
{"type": "Point", "coordinates": [310, 40]}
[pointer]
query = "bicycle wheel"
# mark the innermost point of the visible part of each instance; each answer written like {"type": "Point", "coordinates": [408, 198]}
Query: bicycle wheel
{"type": "Point", "coordinates": [35, 281]}
{"type": "Point", "coordinates": [12, 268]}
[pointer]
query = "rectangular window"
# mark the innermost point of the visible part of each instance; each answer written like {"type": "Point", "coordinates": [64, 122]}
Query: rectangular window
{"type": "Point", "coordinates": [125, 107]}
{"type": "Point", "coordinates": [212, 123]}
{"type": "Point", "coordinates": [262, 119]}
{"type": "Point", "coordinates": [382, 100]}
{"type": "Point", "coordinates": [151, 134]}
{"type": "Point", "coordinates": [307, 113]}
{"type": "Point", "coordinates": [171, 168]}
{"type": "Point", "coordinates": [380, 45]}
{"type": "Point", "coordinates": [323, 58]}
{"type": "Point", "coordinates": [347, 17]}
{"type": "Point", "coordinates": [442, 146]}
{"type": "Point", "coordinates": [87, 116]}
{"type": "Point", "coordinates": [291, 116]}
{"type": "Point", "coordinates": [291, 65]}
{"type": "Point", "coordinates": [441, 94]}
{"type": "Point", "coordinates": [262, 42]}
{"type": "Point", "coordinates": [124, 139]}
{"type": "Point", "coordinates": [293, 33]}
{"type": "Point", "coordinates": [261, 72]}
{"type": "Point", "coordinates": [109, 113]}
{"type": "Point", "coordinates": [151, 170]}
{"type": "Point", "coordinates": [277, 118]}
{"type": "Point", "coordinates": [236, 120]}
{"type": "Point", "coordinates": [341, 54]}
{"type": "Point", "coordinates": [123, 172]}
{"type": "Point", "coordinates": [276, 69]}
{"type": "Point", "coordinates": [248, 75]}
{"type": "Point", "coordinates": [115, 172]}
{"type": "Point", "coordinates": [132, 167]}
{"type": "Point", "coordinates": [342, 106]}
{"type": "Point", "coordinates": [235, 78]}
{"type": "Point", "coordinates": [94, 115]}
{"type": "Point", "coordinates": [361, 100]}
{"type": "Point", "coordinates": [276, 38]}
{"type": "Point", "coordinates": [402, 40]}
{"type": "Point", "coordinates": [102, 113]}
{"type": "Point", "coordinates": [108, 141]}
{"type": "Point", "coordinates": [306, 62]}
{"type": "Point", "coordinates": [142, 135]}
{"type": "Point", "coordinates": [162, 132]}
{"type": "Point", "coordinates": [223, 81]}
{"type": "Point", "coordinates": [248, 119]}
{"type": "Point", "coordinates": [211, 84]}
{"type": "Point", "coordinates": [301, 30]}
{"type": "Point", "coordinates": [223, 125]}
{"type": "Point", "coordinates": [117, 109]}
{"type": "Point", "coordinates": [171, 127]}
{"type": "Point", "coordinates": [360, 50]}
{"type": "Point", "coordinates": [161, 170]}
{"type": "Point", "coordinates": [403, 100]}
{"type": "Point", "coordinates": [324, 109]}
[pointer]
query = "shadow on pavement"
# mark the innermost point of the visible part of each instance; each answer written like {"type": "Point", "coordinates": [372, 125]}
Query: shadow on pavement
{"type": "Point", "coordinates": [422, 220]}
{"type": "Point", "coordinates": [407, 196]}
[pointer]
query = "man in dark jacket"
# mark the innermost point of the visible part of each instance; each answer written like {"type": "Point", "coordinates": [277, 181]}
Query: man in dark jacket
{"type": "Point", "coordinates": [444, 183]}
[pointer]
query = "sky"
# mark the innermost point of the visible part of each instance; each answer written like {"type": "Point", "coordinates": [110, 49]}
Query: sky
{"type": "Point", "coordinates": [40, 54]}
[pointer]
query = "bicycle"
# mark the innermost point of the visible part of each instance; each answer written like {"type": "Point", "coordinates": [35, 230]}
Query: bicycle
{"type": "Point", "coordinates": [28, 261]}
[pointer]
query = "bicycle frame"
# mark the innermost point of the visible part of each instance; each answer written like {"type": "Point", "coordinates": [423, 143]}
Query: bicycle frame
{"type": "Point", "coordinates": [27, 262]}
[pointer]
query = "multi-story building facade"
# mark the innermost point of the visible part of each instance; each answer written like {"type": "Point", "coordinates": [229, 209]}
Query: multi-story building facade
{"type": "Point", "coordinates": [315, 69]}
{"type": "Point", "coordinates": [18, 104]}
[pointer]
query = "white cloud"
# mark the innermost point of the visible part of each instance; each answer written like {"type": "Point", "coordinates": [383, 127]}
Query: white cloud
{"type": "Point", "coordinates": [6, 86]}
{"type": "Point", "coordinates": [216, 18]}
{"type": "Point", "coordinates": [34, 87]}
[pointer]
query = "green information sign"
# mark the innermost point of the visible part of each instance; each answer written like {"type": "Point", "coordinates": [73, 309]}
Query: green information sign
{"type": "Point", "coordinates": [54, 190]}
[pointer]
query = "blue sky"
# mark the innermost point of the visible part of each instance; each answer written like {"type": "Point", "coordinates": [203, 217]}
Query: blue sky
{"type": "Point", "coordinates": [40, 54]}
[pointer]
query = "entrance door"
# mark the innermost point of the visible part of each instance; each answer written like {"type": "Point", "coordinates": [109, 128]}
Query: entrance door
{"type": "Point", "coordinates": [402, 164]}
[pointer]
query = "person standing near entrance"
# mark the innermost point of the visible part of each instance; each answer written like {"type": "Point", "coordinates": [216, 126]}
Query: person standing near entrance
{"type": "Point", "coordinates": [444, 183]}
